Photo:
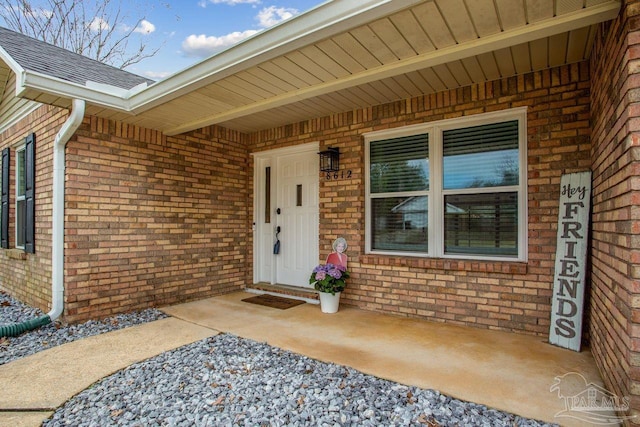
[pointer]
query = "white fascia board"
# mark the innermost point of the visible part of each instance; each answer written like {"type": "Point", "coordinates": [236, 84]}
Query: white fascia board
{"type": "Point", "coordinates": [319, 23]}
{"type": "Point", "coordinates": [106, 96]}
{"type": "Point", "coordinates": [7, 59]}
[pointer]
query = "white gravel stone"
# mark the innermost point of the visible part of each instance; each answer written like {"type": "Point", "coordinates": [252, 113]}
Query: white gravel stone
{"type": "Point", "coordinates": [230, 381]}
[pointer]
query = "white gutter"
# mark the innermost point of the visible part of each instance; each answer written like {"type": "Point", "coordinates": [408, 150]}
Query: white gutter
{"type": "Point", "coordinates": [57, 242]}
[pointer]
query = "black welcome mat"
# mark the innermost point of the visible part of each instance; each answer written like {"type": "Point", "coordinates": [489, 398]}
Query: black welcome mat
{"type": "Point", "coordinates": [273, 301]}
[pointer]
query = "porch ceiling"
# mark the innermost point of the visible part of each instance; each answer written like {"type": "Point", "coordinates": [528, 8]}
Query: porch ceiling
{"type": "Point", "coordinates": [429, 46]}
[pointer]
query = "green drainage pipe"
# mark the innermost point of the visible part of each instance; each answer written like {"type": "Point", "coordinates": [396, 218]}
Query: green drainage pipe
{"type": "Point", "coordinates": [16, 329]}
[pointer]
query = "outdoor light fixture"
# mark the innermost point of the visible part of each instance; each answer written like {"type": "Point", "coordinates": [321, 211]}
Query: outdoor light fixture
{"type": "Point", "coordinates": [330, 160]}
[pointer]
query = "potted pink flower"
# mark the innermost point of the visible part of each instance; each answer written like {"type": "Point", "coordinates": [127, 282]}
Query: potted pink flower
{"type": "Point", "coordinates": [329, 280]}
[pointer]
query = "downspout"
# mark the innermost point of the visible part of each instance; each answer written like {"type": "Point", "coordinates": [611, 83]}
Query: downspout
{"type": "Point", "coordinates": [57, 242]}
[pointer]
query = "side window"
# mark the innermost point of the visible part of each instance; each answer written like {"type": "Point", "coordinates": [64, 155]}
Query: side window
{"type": "Point", "coordinates": [4, 200]}
{"type": "Point", "coordinates": [25, 195]}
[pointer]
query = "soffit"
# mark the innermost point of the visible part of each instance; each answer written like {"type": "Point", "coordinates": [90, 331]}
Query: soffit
{"type": "Point", "coordinates": [5, 72]}
{"type": "Point", "coordinates": [433, 46]}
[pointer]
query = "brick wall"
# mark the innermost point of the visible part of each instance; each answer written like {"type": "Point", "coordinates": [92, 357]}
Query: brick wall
{"type": "Point", "coordinates": [151, 219]}
{"type": "Point", "coordinates": [496, 295]}
{"type": "Point", "coordinates": [27, 277]}
{"type": "Point", "coordinates": [615, 283]}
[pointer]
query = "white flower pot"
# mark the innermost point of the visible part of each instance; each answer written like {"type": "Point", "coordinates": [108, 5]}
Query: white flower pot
{"type": "Point", "coordinates": [329, 303]}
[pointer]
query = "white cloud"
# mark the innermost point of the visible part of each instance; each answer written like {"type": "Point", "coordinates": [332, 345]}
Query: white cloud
{"type": "Point", "coordinates": [145, 27]}
{"type": "Point", "coordinates": [203, 46]}
{"type": "Point", "coordinates": [157, 75]}
{"type": "Point", "coordinates": [98, 24]}
{"type": "Point", "coordinates": [272, 15]}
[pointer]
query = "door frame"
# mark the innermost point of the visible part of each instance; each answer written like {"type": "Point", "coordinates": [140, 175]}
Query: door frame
{"type": "Point", "coordinates": [261, 160]}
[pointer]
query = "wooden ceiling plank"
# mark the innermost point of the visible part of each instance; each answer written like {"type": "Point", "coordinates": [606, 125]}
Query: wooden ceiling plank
{"type": "Point", "coordinates": [484, 16]}
{"type": "Point", "coordinates": [445, 76]}
{"type": "Point", "coordinates": [266, 72]}
{"type": "Point", "coordinates": [539, 53]}
{"type": "Point", "coordinates": [568, 6]}
{"type": "Point", "coordinates": [504, 59]}
{"type": "Point", "coordinates": [459, 73]}
{"type": "Point", "coordinates": [521, 58]}
{"type": "Point", "coordinates": [432, 78]}
{"type": "Point", "coordinates": [577, 45]}
{"type": "Point", "coordinates": [384, 90]}
{"type": "Point", "coordinates": [263, 79]}
{"type": "Point", "coordinates": [394, 85]}
{"type": "Point", "coordinates": [558, 55]}
{"type": "Point", "coordinates": [455, 15]}
{"type": "Point", "coordinates": [434, 25]}
{"type": "Point", "coordinates": [511, 14]}
{"type": "Point", "coordinates": [366, 97]}
{"type": "Point", "coordinates": [217, 98]}
{"type": "Point", "coordinates": [392, 38]}
{"type": "Point", "coordinates": [255, 82]}
{"type": "Point", "coordinates": [370, 40]}
{"type": "Point", "coordinates": [361, 55]}
{"type": "Point", "coordinates": [408, 85]}
{"type": "Point", "coordinates": [324, 61]}
{"type": "Point", "coordinates": [419, 81]}
{"type": "Point", "coordinates": [295, 69]}
{"type": "Point", "coordinates": [538, 10]}
{"type": "Point", "coordinates": [279, 73]}
{"type": "Point", "coordinates": [474, 69]}
{"type": "Point", "coordinates": [345, 59]}
{"type": "Point", "coordinates": [412, 31]}
{"type": "Point", "coordinates": [311, 67]}
{"type": "Point", "coordinates": [244, 88]}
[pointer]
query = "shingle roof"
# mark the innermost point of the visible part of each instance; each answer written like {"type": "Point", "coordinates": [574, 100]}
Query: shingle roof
{"type": "Point", "coordinates": [38, 56]}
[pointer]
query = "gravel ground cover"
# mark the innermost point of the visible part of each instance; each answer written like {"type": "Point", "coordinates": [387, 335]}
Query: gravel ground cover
{"type": "Point", "coordinates": [53, 334]}
{"type": "Point", "coordinates": [231, 381]}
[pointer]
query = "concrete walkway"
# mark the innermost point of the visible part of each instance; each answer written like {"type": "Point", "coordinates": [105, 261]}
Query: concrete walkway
{"type": "Point", "coordinates": [34, 386]}
{"type": "Point", "coordinates": [505, 371]}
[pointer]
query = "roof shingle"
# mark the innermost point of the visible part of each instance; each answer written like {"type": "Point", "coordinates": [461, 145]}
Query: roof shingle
{"type": "Point", "coordinates": [37, 56]}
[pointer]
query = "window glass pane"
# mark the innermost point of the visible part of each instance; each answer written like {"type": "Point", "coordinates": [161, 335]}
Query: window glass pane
{"type": "Point", "coordinates": [481, 156]}
{"type": "Point", "coordinates": [400, 164]}
{"type": "Point", "coordinates": [21, 216]}
{"type": "Point", "coordinates": [22, 176]}
{"type": "Point", "coordinates": [400, 224]}
{"type": "Point", "coordinates": [481, 224]}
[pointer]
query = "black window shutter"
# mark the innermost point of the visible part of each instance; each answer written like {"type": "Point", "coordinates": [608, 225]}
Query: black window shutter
{"type": "Point", "coordinates": [4, 219]}
{"type": "Point", "coordinates": [30, 180]}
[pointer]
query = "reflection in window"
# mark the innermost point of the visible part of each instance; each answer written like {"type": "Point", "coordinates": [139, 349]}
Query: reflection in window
{"type": "Point", "coordinates": [481, 224]}
{"type": "Point", "coordinates": [449, 189]}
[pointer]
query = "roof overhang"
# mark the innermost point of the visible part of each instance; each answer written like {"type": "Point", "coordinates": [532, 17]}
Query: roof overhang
{"type": "Point", "coordinates": [344, 55]}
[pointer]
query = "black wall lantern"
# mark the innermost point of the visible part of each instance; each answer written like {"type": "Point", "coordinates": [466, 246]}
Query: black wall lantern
{"type": "Point", "coordinates": [330, 160]}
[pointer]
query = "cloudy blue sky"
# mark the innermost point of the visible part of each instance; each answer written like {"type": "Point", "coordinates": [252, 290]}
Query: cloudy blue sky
{"type": "Point", "coordinates": [191, 30]}
{"type": "Point", "coordinates": [185, 31]}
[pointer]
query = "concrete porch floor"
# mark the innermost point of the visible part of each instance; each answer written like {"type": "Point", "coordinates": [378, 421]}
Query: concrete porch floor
{"type": "Point", "coordinates": [506, 371]}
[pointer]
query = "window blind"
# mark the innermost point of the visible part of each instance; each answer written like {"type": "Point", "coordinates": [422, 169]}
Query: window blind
{"type": "Point", "coordinates": [400, 164]}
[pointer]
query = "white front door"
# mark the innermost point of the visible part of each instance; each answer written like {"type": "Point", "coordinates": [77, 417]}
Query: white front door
{"type": "Point", "coordinates": [286, 200]}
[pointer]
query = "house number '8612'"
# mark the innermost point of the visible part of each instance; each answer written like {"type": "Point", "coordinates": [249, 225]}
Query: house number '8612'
{"type": "Point", "coordinates": [338, 175]}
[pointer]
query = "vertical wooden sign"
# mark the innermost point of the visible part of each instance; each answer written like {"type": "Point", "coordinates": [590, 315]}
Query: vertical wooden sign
{"type": "Point", "coordinates": [571, 259]}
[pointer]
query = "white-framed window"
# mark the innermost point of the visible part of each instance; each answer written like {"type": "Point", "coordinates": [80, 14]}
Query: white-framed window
{"type": "Point", "coordinates": [454, 188]}
{"type": "Point", "coordinates": [21, 202]}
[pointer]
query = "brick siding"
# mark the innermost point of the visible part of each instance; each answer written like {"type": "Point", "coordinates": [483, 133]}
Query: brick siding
{"type": "Point", "coordinates": [27, 277]}
{"type": "Point", "coordinates": [496, 295]}
{"type": "Point", "coordinates": [152, 219]}
{"type": "Point", "coordinates": [615, 280]}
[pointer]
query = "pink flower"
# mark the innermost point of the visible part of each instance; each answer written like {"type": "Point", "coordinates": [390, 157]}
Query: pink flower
{"type": "Point", "coordinates": [320, 275]}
